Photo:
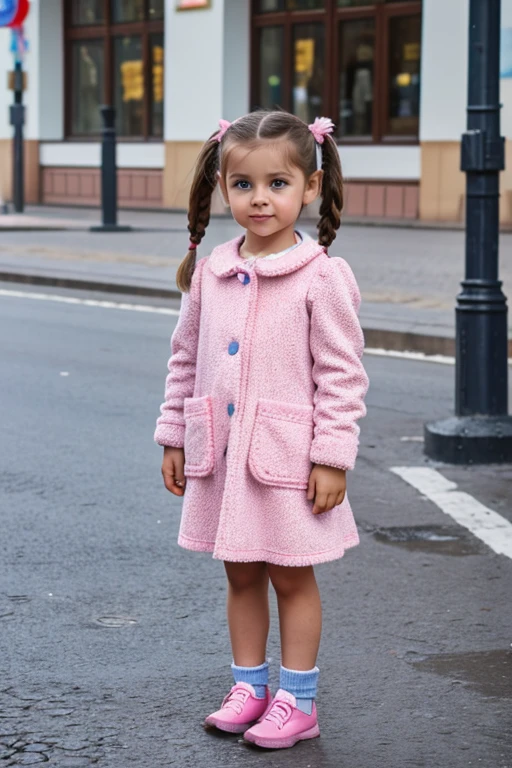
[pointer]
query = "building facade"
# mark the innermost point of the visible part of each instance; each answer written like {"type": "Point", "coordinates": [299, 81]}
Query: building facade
{"type": "Point", "coordinates": [391, 73]}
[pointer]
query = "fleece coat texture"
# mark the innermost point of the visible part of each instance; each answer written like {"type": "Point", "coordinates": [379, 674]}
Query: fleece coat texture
{"type": "Point", "coordinates": [265, 380]}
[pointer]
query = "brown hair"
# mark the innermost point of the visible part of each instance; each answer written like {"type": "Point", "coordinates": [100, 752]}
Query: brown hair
{"type": "Point", "coordinates": [247, 130]}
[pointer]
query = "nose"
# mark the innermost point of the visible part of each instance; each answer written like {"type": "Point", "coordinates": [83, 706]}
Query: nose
{"type": "Point", "coordinates": [259, 196]}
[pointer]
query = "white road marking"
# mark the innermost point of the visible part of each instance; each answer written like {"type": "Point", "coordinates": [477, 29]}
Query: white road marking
{"type": "Point", "coordinates": [493, 529]}
{"type": "Point", "coordinates": [90, 302]}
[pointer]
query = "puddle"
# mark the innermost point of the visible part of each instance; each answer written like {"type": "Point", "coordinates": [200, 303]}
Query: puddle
{"type": "Point", "coordinates": [435, 539]}
{"type": "Point", "coordinates": [488, 672]}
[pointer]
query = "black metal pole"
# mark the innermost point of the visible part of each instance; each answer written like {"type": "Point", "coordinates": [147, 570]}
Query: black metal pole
{"type": "Point", "coordinates": [481, 431]}
{"type": "Point", "coordinates": [17, 121]}
{"type": "Point", "coordinates": [109, 174]}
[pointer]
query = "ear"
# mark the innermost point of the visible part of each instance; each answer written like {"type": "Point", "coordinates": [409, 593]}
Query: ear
{"type": "Point", "coordinates": [313, 187]}
{"type": "Point", "coordinates": [223, 189]}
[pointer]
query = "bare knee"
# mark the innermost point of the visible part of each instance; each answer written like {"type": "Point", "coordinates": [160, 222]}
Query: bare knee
{"type": "Point", "coordinates": [289, 581]}
{"type": "Point", "coordinates": [246, 576]}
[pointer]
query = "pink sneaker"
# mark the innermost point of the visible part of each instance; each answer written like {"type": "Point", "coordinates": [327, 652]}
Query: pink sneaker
{"type": "Point", "coordinates": [240, 709]}
{"type": "Point", "coordinates": [284, 725]}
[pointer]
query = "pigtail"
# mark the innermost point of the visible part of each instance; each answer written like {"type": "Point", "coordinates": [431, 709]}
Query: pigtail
{"type": "Point", "coordinates": [205, 180]}
{"type": "Point", "coordinates": [332, 193]}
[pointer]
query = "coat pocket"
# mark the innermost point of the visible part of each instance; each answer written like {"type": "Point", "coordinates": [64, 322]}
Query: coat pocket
{"type": "Point", "coordinates": [281, 443]}
{"type": "Point", "coordinates": [199, 444]}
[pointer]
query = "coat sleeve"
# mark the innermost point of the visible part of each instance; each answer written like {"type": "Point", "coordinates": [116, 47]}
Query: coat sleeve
{"type": "Point", "coordinates": [180, 381]}
{"type": "Point", "coordinates": [336, 344]}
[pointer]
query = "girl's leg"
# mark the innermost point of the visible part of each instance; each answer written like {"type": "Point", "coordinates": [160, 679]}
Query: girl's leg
{"type": "Point", "coordinates": [300, 615]}
{"type": "Point", "coordinates": [292, 716]}
{"type": "Point", "coordinates": [248, 618]}
{"type": "Point", "coordinates": [248, 613]}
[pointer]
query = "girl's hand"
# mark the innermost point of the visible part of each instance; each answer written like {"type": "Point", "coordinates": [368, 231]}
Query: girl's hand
{"type": "Point", "coordinates": [173, 470]}
{"type": "Point", "coordinates": [327, 487]}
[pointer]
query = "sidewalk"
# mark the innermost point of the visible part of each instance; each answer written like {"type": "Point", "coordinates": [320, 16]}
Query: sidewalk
{"type": "Point", "coordinates": [408, 277]}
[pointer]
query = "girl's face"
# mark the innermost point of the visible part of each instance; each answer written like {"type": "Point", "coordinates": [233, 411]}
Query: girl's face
{"type": "Point", "coordinates": [264, 190]}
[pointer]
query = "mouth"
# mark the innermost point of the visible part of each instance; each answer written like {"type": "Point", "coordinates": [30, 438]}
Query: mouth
{"type": "Point", "coordinates": [261, 217]}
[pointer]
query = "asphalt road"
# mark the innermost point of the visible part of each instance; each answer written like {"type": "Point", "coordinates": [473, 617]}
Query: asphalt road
{"type": "Point", "coordinates": [113, 643]}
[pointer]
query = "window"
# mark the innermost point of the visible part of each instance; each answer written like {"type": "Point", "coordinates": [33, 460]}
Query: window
{"type": "Point", "coordinates": [88, 70]}
{"type": "Point", "coordinates": [115, 55]}
{"type": "Point", "coordinates": [404, 75]}
{"type": "Point", "coordinates": [357, 54]}
{"type": "Point", "coordinates": [308, 71]}
{"type": "Point", "coordinates": [357, 61]}
{"type": "Point", "coordinates": [271, 64]}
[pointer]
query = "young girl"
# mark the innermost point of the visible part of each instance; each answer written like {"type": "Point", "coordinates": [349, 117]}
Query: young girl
{"type": "Point", "coordinates": [264, 390]}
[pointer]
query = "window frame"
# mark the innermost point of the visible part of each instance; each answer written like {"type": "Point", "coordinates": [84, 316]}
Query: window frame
{"type": "Point", "coordinates": [333, 16]}
{"type": "Point", "coordinates": [108, 31]}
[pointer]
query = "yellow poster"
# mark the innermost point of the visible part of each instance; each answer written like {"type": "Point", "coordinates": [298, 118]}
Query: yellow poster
{"type": "Point", "coordinates": [132, 79]}
{"type": "Point", "coordinates": [305, 56]}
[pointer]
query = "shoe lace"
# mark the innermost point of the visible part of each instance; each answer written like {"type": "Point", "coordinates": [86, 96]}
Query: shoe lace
{"type": "Point", "coordinates": [235, 700]}
{"type": "Point", "coordinates": [279, 713]}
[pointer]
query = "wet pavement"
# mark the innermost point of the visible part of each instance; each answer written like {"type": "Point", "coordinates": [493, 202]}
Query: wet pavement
{"type": "Point", "coordinates": [487, 672]}
{"type": "Point", "coordinates": [435, 539]}
{"type": "Point", "coordinates": [113, 641]}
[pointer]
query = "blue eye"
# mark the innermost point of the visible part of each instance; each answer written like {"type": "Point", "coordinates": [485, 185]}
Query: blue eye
{"type": "Point", "coordinates": [279, 184]}
{"type": "Point", "coordinates": [241, 184]}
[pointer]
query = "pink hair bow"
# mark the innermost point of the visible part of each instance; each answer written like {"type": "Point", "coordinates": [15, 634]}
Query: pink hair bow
{"type": "Point", "coordinates": [321, 128]}
{"type": "Point", "coordinates": [224, 125]}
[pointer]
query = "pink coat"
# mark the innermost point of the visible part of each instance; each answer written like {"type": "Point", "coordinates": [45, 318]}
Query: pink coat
{"type": "Point", "coordinates": [265, 379]}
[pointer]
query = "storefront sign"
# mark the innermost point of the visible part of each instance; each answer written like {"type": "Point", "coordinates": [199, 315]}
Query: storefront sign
{"type": "Point", "coordinates": [192, 5]}
{"type": "Point", "coordinates": [8, 9]}
{"type": "Point", "coordinates": [13, 12]}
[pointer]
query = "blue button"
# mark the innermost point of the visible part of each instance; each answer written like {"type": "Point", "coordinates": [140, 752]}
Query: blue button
{"type": "Point", "coordinates": [231, 409]}
{"type": "Point", "coordinates": [233, 348]}
{"type": "Point", "coordinates": [247, 279]}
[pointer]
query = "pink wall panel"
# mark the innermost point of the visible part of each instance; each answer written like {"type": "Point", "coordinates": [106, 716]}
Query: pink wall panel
{"type": "Point", "coordinates": [82, 186]}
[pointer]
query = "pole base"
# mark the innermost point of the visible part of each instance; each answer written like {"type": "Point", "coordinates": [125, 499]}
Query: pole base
{"type": "Point", "coordinates": [110, 228]}
{"type": "Point", "coordinates": [470, 440]}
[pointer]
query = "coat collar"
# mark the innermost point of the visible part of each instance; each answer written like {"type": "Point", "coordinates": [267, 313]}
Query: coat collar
{"type": "Point", "coordinates": [225, 259]}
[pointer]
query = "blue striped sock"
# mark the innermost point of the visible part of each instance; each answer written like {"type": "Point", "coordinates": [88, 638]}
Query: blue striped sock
{"type": "Point", "coordinates": [255, 676]}
{"type": "Point", "coordinates": [302, 685]}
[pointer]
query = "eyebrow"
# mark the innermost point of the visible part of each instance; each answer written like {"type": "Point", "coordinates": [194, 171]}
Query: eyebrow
{"type": "Point", "coordinates": [273, 175]}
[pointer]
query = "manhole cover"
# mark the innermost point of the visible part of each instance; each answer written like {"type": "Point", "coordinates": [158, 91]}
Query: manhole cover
{"type": "Point", "coordinates": [441, 540]}
{"type": "Point", "coordinates": [115, 621]}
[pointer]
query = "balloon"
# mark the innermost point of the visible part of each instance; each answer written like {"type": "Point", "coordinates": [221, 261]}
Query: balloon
{"type": "Point", "coordinates": [21, 14]}
{"type": "Point", "coordinates": [8, 11]}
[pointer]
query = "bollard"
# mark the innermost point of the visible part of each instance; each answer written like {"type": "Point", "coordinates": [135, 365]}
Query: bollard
{"type": "Point", "coordinates": [481, 430]}
{"type": "Point", "coordinates": [4, 208]}
{"type": "Point", "coordinates": [109, 174]}
{"type": "Point", "coordinates": [17, 115]}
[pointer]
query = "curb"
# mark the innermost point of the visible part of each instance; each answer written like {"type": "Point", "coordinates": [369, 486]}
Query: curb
{"type": "Point", "coordinates": [89, 285]}
{"type": "Point", "coordinates": [453, 225]}
{"type": "Point", "coordinates": [88, 225]}
{"type": "Point", "coordinates": [407, 341]}
{"type": "Point", "coordinates": [86, 228]}
{"type": "Point", "coordinates": [379, 338]}
{"type": "Point", "coordinates": [39, 228]}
